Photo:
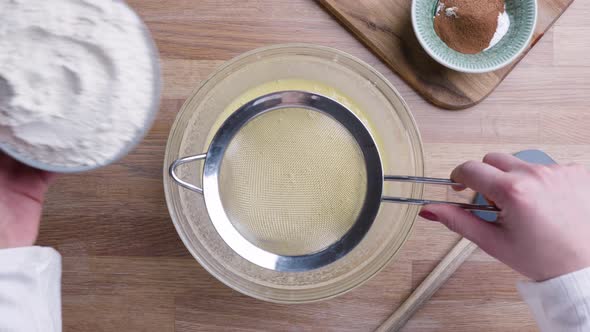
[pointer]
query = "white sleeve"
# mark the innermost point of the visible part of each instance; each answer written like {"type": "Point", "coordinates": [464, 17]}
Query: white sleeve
{"type": "Point", "coordinates": [561, 304]}
{"type": "Point", "coordinates": [30, 293]}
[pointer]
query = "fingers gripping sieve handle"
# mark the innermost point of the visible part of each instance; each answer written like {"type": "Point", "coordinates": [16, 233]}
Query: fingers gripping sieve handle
{"type": "Point", "coordinates": [446, 182]}
{"type": "Point", "coordinates": [183, 161]}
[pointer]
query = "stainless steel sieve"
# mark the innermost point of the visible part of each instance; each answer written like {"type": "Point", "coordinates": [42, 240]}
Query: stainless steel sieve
{"type": "Point", "coordinates": [270, 252]}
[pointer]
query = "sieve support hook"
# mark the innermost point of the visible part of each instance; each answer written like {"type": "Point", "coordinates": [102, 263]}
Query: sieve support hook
{"type": "Point", "coordinates": [446, 182]}
{"type": "Point", "coordinates": [182, 161]}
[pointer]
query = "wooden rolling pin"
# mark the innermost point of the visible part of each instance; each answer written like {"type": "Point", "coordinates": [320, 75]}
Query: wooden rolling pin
{"type": "Point", "coordinates": [429, 286]}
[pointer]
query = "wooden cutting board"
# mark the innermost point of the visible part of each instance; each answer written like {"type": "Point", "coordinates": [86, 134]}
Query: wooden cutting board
{"type": "Point", "coordinates": [385, 27]}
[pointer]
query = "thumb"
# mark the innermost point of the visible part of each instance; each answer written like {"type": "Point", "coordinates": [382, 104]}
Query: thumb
{"type": "Point", "coordinates": [478, 231]}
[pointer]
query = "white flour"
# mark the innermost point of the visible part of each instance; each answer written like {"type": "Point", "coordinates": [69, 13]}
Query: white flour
{"type": "Point", "coordinates": [76, 80]}
{"type": "Point", "coordinates": [501, 30]}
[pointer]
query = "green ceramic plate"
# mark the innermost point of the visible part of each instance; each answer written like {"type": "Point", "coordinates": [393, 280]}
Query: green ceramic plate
{"type": "Point", "coordinates": [523, 18]}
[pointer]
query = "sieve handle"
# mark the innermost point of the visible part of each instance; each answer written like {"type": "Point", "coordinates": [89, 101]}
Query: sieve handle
{"type": "Point", "coordinates": [182, 161]}
{"type": "Point", "coordinates": [447, 182]}
{"type": "Point", "coordinates": [413, 201]}
{"type": "Point", "coordinates": [418, 179]}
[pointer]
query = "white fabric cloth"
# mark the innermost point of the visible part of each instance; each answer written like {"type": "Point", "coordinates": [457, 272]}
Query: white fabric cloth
{"type": "Point", "coordinates": [30, 291]}
{"type": "Point", "coordinates": [30, 295]}
{"type": "Point", "coordinates": [561, 304]}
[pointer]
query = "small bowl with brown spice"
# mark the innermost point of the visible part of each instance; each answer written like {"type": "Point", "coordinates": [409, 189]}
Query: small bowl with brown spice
{"type": "Point", "coordinates": [474, 36]}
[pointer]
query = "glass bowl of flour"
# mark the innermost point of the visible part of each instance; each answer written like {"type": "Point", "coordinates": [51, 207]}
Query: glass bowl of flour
{"type": "Point", "coordinates": [79, 82]}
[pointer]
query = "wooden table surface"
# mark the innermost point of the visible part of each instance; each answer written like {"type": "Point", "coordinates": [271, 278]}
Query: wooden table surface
{"type": "Point", "coordinates": [125, 269]}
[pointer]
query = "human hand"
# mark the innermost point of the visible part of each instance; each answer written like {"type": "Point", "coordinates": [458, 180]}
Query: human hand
{"type": "Point", "coordinates": [543, 229]}
{"type": "Point", "coordinates": [21, 199]}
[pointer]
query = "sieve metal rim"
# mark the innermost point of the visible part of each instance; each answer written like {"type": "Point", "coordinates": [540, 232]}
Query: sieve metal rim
{"type": "Point", "coordinates": [212, 164]}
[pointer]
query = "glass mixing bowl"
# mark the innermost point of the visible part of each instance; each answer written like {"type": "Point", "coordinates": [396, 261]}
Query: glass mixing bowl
{"type": "Point", "coordinates": [315, 69]}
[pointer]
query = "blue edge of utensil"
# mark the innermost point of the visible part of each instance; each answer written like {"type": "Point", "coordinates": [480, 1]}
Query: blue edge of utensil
{"type": "Point", "coordinates": [531, 156]}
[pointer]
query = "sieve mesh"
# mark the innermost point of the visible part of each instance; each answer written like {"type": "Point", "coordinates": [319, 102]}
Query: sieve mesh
{"type": "Point", "coordinates": [293, 181]}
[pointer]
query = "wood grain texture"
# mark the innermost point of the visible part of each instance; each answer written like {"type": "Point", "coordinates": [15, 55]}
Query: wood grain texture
{"type": "Point", "coordinates": [385, 26]}
{"type": "Point", "coordinates": [441, 273]}
{"type": "Point", "coordinates": [125, 269]}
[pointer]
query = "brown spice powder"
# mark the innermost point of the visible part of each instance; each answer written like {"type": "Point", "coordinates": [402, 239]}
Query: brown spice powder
{"type": "Point", "coordinates": [469, 25]}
